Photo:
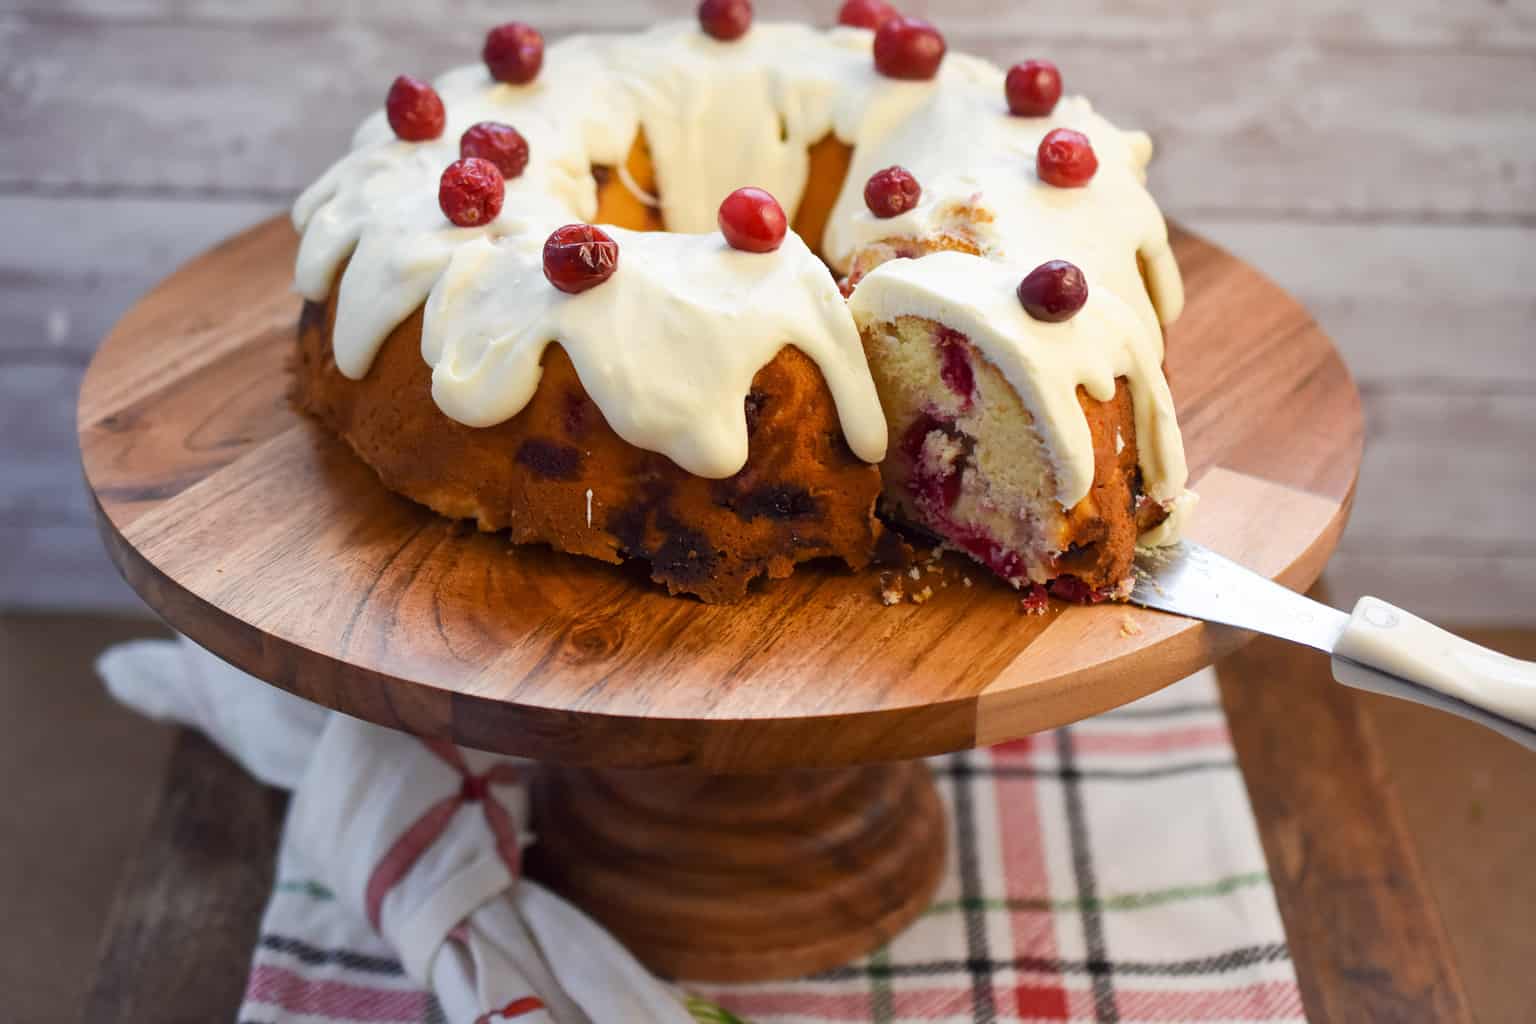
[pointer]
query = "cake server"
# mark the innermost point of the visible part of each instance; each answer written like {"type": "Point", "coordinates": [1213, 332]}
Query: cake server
{"type": "Point", "coordinates": [1378, 647]}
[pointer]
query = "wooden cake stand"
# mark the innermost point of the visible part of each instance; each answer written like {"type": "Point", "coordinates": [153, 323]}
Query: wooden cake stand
{"type": "Point", "coordinates": [735, 791]}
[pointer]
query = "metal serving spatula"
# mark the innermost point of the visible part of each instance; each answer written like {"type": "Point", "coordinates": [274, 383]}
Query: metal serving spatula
{"type": "Point", "coordinates": [1379, 647]}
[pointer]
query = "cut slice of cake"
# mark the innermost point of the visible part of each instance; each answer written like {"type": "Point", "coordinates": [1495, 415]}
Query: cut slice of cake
{"type": "Point", "coordinates": [1032, 446]}
{"type": "Point", "coordinates": [968, 464]}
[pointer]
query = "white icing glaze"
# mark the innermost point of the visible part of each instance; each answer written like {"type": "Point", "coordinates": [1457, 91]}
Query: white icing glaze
{"type": "Point", "coordinates": [668, 346]}
{"type": "Point", "coordinates": [635, 340]}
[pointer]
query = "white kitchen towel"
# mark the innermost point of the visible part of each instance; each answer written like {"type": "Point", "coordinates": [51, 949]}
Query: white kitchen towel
{"type": "Point", "coordinates": [417, 845]}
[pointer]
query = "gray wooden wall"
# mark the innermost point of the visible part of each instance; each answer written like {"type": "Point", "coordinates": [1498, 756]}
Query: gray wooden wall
{"type": "Point", "coordinates": [1377, 158]}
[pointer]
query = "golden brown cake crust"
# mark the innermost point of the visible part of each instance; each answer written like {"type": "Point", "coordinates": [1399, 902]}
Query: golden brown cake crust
{"type": "Point", "coordinates": [802, 494]}
{"type": "Point", "coordinates": [1102, 528]}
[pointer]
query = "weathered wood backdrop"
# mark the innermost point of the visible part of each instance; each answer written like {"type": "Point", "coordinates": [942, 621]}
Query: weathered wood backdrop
{"type": "Point", "coordinates": [1377, 158]}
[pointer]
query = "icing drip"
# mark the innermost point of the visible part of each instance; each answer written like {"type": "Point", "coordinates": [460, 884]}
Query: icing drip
{"type": "Point", "coordinates": [668, 346]}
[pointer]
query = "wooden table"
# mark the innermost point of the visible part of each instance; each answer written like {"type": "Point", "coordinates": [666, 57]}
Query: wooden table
{"type": "Point", "coordinates": [1364, 929]}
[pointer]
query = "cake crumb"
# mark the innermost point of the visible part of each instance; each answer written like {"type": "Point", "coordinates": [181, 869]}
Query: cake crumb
{"type": "Point", "coordinates": [966, 580]}
{"type": "Point", "coordinates": [915, 573]}
{"type": "Point", "coordinates": [890, 589]}
{"type": "Point", "coordinates": [922, 595]}
{"type": "Point", "coordinates": [1035, 600]}
{"type": "Point", "coordinates": [1129, 627]}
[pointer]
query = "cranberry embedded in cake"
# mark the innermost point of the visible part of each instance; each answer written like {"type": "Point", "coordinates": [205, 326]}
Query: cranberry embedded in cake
{"type": "Point", "coordinates": [908, 48]}
{"type": "Point", "coordinates": [414, 110]}
{"type": "Point", "coordinates": [499, 143]}
{"type": "Point", "coordinates": [514, 53]}
{"type": "Point", "coordinates": [955, 365]}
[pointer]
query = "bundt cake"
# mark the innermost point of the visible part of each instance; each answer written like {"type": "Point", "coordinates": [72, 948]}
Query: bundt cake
{"type": "Point", "coordinates": [541, 295]}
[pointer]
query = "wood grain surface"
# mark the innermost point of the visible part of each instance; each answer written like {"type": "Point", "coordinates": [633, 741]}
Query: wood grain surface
{"type": "Point", "coordinates": [253, 531]}
{"type": "Point", "coordinates": [187, 912]}
{"type": "Point", "coordinates": [1362, 927]}
{"type": "Point", "coordinates": [743, 878]}
{"type": "Point", "coordinates": [1378, 159]}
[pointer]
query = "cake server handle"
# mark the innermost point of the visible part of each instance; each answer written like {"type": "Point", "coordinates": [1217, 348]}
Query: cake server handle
{"type": "Point", "coordinates": [1388, 650]}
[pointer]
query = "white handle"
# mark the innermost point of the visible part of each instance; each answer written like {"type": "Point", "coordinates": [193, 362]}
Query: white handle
{"type": "Point", "coordinates": [1384, 637]}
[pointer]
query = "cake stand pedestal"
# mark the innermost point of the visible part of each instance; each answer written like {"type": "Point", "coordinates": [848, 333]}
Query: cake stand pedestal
{"type": "Point", "coordinates": [705, 798]}
{"type": "Point", "coordinates": [738, 878]}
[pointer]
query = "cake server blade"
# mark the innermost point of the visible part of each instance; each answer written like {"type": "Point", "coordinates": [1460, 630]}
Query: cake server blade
{"type": "Point", "coordinates": [1190, 579]}
{"type": "Point", "coordinates": [1378, 647]}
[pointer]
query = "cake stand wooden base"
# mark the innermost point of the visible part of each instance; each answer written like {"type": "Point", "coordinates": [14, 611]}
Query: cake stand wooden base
{"type": "Point", "coordinates": [742, 877]}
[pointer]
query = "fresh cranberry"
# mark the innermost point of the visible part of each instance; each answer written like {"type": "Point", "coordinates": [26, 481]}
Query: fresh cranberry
{"type": "Point", "coordinates": [955, 365]}
{"type": "Point", "coordinates": [1065, 159]}
{"type": "Point", "coordinates": [514, 52]}
{"type": "Point", "coordinates": [866, 13]}
{"type": "Point", "coordinates": [908, 48]}
{"type": "Point", "coordinates": [726, 19]}
{"type": "Point", "coordinates": [752, 220]}
{"type": "Point", "coordinates": [471, 191]}
{"type": "Point", "coordinates": [499, 143]}
{"type": "Point", "coordinates": [891, 192]}
{"type": "Point", "coordinates": [1054, 291]}
{"type": "Point", "coordinates": [415, 110]}
{"type": "Point", "coordinates": [578, 257]}
{"type": "Point", "coordinates": [1033, 88]}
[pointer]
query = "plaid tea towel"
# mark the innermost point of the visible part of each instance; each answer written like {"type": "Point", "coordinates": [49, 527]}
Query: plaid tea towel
{"type": "Point", "coordinates": [1107, 871]}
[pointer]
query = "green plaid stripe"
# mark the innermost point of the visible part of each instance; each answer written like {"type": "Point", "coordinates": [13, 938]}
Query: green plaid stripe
{"type": "Point", "coordinates": [1122, 901]}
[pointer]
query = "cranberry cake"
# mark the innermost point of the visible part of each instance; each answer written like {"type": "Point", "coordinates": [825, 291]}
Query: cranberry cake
{"type": "Point", "coordinates": [712, 295]}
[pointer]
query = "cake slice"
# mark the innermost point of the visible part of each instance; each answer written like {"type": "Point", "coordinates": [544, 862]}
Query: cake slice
{"type": "Point", "coordinates": [967, 464]}
{"type": "Point", "coordinates": [1046, 450]}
